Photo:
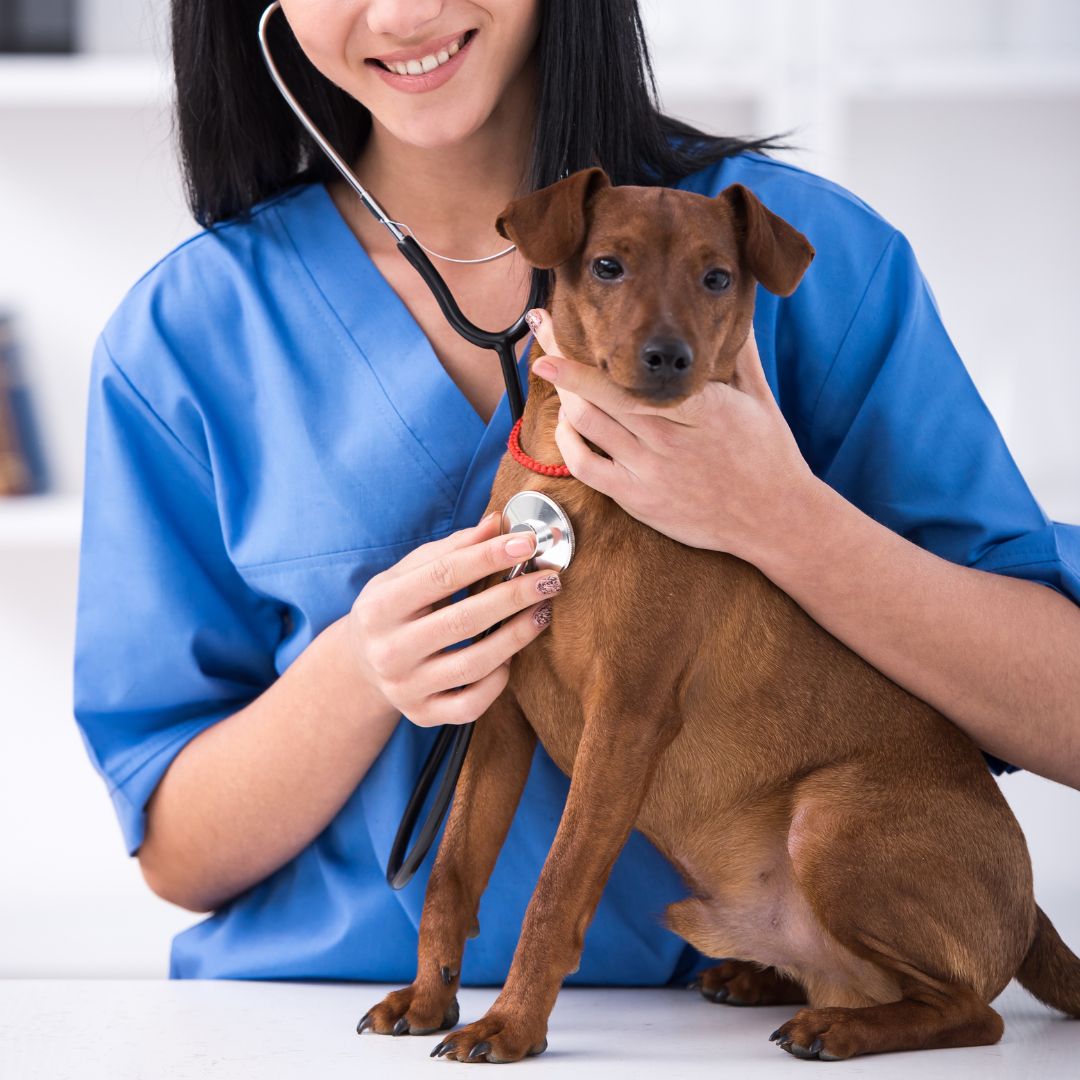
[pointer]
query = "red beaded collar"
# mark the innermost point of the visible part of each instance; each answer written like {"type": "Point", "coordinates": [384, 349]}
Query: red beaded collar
{"type": "Point", "coordinates": [513, 444]}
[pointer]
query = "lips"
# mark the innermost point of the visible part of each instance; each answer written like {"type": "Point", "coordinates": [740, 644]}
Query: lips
{"type": "Point", "coordinates": [425, 58]}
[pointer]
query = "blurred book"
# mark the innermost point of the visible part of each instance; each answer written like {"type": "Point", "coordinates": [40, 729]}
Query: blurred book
{"type": "Point", "coordinates": [37, 26]}
{"type": "Point", "coordinates": [22, 467]}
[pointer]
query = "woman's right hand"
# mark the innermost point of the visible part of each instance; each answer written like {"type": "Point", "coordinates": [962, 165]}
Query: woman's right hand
{"type": "Point", "coordinates": [401, 635]}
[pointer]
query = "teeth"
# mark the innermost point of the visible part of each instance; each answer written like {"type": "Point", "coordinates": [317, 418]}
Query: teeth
{"type": "Point", "coordinates": [425, 63]}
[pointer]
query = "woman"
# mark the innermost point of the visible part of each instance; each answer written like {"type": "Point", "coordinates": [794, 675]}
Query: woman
{"type": "Point", "coordinates": [286, 444]}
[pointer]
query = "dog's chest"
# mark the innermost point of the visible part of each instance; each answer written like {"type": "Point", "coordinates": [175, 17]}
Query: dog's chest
{"type": "Point", "coordinates": [620, 636]}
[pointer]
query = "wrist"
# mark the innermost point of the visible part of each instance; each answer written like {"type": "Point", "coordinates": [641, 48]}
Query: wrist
{"type": "Point", "coordinates": [791, 544]}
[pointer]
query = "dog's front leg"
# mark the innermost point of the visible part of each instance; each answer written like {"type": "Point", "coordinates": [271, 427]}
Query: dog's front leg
{"type": "Point", "coordinates": [487, 794]}
{"type": "Point", "coordinates": [615, 760]}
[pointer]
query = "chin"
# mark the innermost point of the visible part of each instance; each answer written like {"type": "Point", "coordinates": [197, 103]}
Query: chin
{"type": "Point", "coordinates": [438, 127]}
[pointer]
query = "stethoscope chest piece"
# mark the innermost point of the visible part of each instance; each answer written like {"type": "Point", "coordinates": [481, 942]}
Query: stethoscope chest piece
{"type": "Point", "coordinates": [533, 511]}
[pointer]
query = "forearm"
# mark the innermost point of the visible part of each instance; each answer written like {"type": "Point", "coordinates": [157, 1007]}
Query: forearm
{"type": "Point", "coordinates": [999, 656]}
{"type": "Point", "coordinates": [249, 793]}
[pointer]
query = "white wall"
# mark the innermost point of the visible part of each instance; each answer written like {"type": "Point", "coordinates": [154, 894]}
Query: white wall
{"type": "Point", "coordinates": [956, 121]}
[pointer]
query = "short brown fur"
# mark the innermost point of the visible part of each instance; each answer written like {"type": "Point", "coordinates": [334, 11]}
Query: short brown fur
{"type": "Point", "coordinates": [842, 841]}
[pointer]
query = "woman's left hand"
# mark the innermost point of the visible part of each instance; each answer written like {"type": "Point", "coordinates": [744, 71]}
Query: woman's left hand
{"type": "Point", "coordinates": [718, 471]}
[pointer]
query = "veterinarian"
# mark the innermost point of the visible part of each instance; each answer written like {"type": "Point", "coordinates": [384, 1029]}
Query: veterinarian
{"type": "Point", "coordinates": [285, 438]}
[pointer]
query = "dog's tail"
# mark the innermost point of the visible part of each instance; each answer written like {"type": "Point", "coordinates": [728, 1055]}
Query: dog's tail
{"type": "Point", "coordinates": [1051, 971]}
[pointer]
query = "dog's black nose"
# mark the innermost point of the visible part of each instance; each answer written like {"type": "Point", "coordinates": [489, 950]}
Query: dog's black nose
{"type": "Point", "coordinates": [666, 357]}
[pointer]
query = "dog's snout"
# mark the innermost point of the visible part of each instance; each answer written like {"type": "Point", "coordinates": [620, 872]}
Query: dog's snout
{"type": "Point", "coordinates": [666, 357]}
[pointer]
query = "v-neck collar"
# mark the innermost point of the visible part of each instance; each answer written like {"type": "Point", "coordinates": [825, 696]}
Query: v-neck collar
{"type": "Point", "coordinates": [438, 415]}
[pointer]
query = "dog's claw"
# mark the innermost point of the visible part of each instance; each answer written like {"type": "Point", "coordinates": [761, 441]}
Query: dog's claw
{"type": "Point", "coordinates": [816, 1046]}
{"type": "Point", "coordinates": [448, 976]}
{"type": "Point", "coordinates": [773, 1037]}
{"type": "Point", "coordinates": [443, 1048]}
{"type": "Point", "coordinates": [478, 1051]}
{"type": "Point", "coordinates": [365, 1023]}
{"type": "Point", "coordinates": [402, 1026]}
{"type": "Point", "coordinates": [695, 984]}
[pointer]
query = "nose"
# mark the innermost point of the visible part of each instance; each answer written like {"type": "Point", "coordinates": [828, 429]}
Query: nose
{"type": "Point", "coordinates": [666, 358]}
{"type": "Point", "coordinates": [401, 20]}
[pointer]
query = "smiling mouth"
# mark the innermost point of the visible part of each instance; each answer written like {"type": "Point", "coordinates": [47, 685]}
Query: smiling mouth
{"type": "Point", "coordinates": [423, 64]}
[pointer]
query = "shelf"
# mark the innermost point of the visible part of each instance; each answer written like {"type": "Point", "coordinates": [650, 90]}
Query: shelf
{"type": "Point", "coordinates": [82, 81]}
{"type": "Point", "coordinates": [40, 521]}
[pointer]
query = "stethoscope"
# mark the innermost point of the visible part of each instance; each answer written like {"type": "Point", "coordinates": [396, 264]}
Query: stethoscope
{"type": "Point", "coordinates": [527, 511]}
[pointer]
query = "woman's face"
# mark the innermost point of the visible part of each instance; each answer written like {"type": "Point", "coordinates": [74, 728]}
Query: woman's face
{"type": "Point", "coordinates": [445, 104]}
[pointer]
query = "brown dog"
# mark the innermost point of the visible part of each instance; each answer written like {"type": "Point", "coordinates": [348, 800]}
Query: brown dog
{"type": "Point", "coordinates": [872, 870]}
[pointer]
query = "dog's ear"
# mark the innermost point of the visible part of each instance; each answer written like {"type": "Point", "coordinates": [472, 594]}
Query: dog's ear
{"type": "Point", "coordinates": [549, 225]}
{"type": "Point", "coordinates": [776, 253]}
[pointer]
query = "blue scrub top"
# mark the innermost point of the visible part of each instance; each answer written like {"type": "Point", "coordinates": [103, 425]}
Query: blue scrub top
{"type": "Point", "coordinates": [269, 427]}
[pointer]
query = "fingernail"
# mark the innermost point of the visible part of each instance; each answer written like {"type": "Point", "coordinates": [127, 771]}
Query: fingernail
{"type": "Point", "coordinates": [520, 545]}
{"type": "Point", "coordinates": [562, 413]}
{"type": "Point", "coordinates": [549, 586]}
{"type": "Point", "coordinates": [545, 369]}
{"type": "Point", "coordinates": [534, 319]}
{"type": "Point", "coordinates": [542, 615]}
{"type": "Point", "coordinates": [488, 519]}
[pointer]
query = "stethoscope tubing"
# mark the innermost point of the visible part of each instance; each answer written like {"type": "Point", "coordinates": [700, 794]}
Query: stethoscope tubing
{"type": "Point", "coordinates": [452, 742]}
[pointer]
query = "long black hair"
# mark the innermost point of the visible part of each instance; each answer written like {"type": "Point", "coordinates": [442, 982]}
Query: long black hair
{"type": "Point", "coordinates": [240, 143]}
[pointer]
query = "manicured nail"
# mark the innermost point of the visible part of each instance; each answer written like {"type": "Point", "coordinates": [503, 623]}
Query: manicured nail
{"type": "Point", "coordinates": [549, 586]}
{"type": "Point", "coordinates": [534, 319]}
{"type": "Point", "coordinates": [520, 545]}
{"type": "Point", "coordinates": [542, 615]}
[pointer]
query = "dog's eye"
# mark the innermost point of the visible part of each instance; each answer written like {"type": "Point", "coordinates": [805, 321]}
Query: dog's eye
{"type": "Point", "coordinates": [717, 281]}
{"type": "Point", "coordinates": [607, 269]}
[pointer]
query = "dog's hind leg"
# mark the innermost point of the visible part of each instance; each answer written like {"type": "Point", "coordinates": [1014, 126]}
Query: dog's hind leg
{"type": "Point", "coordinates": [743, 982]}
{"type": "Point", "coordinates": [933, 892]}
{"type": "Point", "coordinates": [924, 1019]}
{"type": "Point", "coordinates": [487, 795]}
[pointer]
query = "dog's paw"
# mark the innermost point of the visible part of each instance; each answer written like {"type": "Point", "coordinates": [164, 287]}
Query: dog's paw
{"type": "Point", "coordinates": [825, 1034]}
{"type": "Point", "coordinates": [740, 982]}
{"type": "Point", "coordinates": [499, 1037]}
{"type": "Point", "coordinates": [410, 1012]}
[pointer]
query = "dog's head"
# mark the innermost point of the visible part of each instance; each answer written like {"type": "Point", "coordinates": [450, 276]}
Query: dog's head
{"type": "Point", "coordinates": [655, 285]}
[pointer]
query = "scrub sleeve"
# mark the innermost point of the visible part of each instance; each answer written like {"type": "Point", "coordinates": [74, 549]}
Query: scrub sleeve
{"type": "Point", "coordinates": [900, 430]}
{"type": "Point", "coordinates": [169, 638]}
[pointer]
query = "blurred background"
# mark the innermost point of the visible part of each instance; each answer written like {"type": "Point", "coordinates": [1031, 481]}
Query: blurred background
{"type": "Point", "coordinates": [957, 121]}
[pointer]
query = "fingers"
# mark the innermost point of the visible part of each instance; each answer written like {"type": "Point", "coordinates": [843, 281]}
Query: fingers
{"type": "Point", "coordinates": [475, 614]}
{"type": "Point", "coordinates": [457, 686]}
{"type": "Point", "coordinates": [600, 473]}
{"type": "Point", "coordinates": [597, 426]}
{"type": "Point", "coordinates": [461, 667]}
{"type": "Point", "coordinates": [464, 705]}
{"type": "Point", "coordinates": [585, 380]}
{"type": "Point", "coordinates": [448, 569]}
{"type": "Point", "coordinates": [486, 528]}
